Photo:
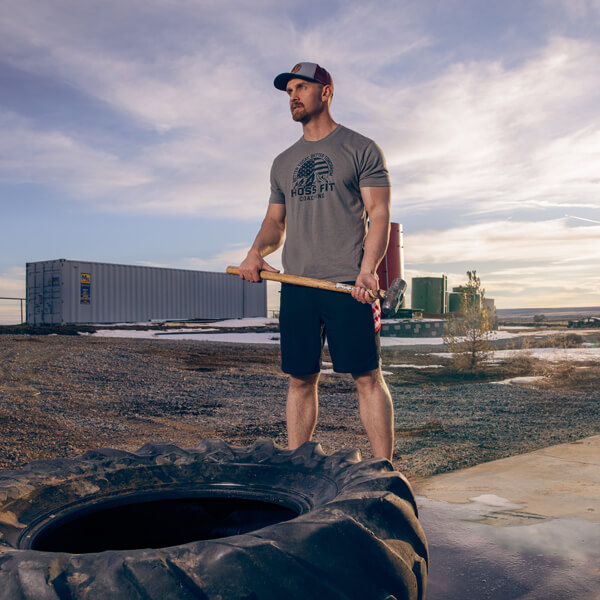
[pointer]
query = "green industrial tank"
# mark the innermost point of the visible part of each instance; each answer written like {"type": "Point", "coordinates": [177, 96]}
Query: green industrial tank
{"type": "Point", "coordinates": [455, 299]}
{"type": "Point", "coordinates": [454, 302]}
{"type": "Point", "coordinates": [430, 294]}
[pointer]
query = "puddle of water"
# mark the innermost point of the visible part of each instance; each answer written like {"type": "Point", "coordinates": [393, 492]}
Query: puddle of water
{"type": "Point", "coordinates": [484, 552]}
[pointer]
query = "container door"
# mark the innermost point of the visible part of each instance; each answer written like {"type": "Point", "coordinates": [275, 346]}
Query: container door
{"type": "Point", "coordinates": [51, 295]}
{"type": "Point", "coordinates": [43, 293]}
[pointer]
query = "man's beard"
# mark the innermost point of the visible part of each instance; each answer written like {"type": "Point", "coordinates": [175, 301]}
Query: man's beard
{"type": "Point", "coordinates": [299, 113]}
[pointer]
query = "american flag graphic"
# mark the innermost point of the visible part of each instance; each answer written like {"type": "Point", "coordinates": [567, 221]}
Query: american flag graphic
{"type": "Point", "coordinates": [311, 169]}
{"type": "Point", "coordinates": [376, 307]}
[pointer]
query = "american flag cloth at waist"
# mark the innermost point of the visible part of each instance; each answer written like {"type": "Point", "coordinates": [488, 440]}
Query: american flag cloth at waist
{"type": "Point", "coordinates": [376, 307]}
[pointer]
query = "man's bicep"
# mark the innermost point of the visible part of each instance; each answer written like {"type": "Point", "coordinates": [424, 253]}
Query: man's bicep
{"type": "Point", "coordinates": [376, 199]}
{"type": "Point", "coordinates": [276, 214]}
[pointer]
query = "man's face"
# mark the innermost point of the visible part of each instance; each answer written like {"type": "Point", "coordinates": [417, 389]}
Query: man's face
{"type": "Point", "coordinates": [306, 99]}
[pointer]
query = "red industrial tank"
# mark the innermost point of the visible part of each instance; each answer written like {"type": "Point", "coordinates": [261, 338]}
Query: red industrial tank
{"type": "Point", "coordinates": [392, 265]}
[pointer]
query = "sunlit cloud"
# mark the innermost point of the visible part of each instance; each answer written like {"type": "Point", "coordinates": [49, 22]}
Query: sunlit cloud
{"type": "Point", "coordinates": [489, 138]}
{"type": "Point", "coordinates": [545, 262]}
{"type": "Point", "coordinates": [12, 285]}
{"type": "Point", "coordinates": [482, 134]}
{"type": "Point", "coordinates": [549, 242]}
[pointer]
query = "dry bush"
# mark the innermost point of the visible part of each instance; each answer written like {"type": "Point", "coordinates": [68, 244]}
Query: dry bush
{"type": "Point", "coordinates": [566, 375]}
{"type": "Point", "coordinates": [567, 340]}
{"type": "Point", "coordinates": [469, 333]}
{"type": "Point", "coordinates": [523, 362]}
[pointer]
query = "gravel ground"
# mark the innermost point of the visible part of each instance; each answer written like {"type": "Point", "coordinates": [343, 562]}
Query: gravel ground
{"type": "Point", "coordinates": [63, 395]}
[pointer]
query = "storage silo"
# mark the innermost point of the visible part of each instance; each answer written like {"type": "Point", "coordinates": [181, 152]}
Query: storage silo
{"type": "Point", "coordinates": [456, 298]}
{"type": "Point", "coordinates": [455, 301]}
{"type": "Point", "coordinates": [429, 294]}
{"type": "Point", "coordinates": [392, 265]}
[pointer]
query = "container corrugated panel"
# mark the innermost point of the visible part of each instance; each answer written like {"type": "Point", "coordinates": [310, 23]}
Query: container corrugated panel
{"type": "Point", "coordinates": [67, 291]}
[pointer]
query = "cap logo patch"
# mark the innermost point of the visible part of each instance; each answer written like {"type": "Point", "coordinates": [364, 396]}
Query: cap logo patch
{"type": "Point", "coordinates": [297, 68]}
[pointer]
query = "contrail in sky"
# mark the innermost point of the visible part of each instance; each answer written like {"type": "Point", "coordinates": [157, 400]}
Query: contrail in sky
{"type": "Point", "coordinates": [583, 219]}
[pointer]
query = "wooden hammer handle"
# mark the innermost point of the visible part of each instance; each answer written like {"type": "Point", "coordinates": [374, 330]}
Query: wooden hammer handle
{"type": "Point", "coordinates": [297, 280]}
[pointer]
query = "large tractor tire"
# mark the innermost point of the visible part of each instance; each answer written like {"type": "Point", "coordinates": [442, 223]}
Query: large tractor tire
{"type": "Point", "coordinates": [215, 522]}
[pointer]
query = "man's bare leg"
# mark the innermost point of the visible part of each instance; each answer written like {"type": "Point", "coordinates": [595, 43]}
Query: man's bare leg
{"type": "Point", "coordinates": [376, 412]}
{"type": "Point", "coordinates": [302, 409]}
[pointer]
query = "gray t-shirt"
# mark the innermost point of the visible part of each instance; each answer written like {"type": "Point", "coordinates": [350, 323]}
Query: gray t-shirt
{"type": "Point", "coordinates": [319, 183]}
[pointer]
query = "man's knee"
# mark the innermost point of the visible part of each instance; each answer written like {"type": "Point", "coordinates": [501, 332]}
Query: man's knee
{"type": "Point", "coordinates": [304, 382]}
{"type": "Point", "coordinates": [369, 379]}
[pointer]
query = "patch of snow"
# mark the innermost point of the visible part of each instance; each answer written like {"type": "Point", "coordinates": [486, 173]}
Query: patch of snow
{"type": "Point", "coordinates": [332, 372]}
{"type": "Point", "coordinates": [496, 501]}
{"type": "Point", "coordinates": [408, 366]}
{"type": "Point", "coordinates": [387, 342]}
{"type": "Point", "coordinates": [512, 380]}
{"type": "Point", "coordinates": [549, 354]}
{"type": "Point", "coordinates": [249, 322]}
{"type": "Point", "coordinates": [236, 338]}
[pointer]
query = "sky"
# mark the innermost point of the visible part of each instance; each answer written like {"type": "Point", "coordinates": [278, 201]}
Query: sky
{"type": "Point", "coordinates": [142, 132]}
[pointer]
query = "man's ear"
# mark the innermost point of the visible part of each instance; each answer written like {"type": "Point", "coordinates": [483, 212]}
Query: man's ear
{"type": "Point", "coordinates": [327, 93]}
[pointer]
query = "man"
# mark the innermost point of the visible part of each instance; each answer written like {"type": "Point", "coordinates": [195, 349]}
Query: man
{"type": "Point", "coordinates": [322, 190]}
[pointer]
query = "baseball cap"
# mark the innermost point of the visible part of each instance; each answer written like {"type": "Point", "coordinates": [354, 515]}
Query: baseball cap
{"type": "Point", "coordinates": [304, 70]}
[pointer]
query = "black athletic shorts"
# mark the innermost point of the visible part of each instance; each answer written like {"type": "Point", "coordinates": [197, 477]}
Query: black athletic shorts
{"type": "Point", "coordinates": [308, 315]}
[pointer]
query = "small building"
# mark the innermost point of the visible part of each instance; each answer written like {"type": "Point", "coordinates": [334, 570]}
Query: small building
{"type": "Point", "coordinates": [69, 291]}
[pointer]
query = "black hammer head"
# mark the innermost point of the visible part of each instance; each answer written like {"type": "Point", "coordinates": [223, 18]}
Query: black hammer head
{"type": "Point", "coordinates": [393, 297]}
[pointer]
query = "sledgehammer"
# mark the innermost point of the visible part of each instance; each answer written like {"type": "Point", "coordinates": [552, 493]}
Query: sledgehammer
{"type": "Point", "coordinates": [392, 297]}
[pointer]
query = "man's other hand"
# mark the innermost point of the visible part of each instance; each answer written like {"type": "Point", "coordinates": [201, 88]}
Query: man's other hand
{"type": "Point", "coordinates": [252, 265]}
{"type": "Point", "coordinates": [366, 288]}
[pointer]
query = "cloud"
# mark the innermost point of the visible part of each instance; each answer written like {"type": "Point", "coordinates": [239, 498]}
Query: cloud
{"type": "Point", "coordinates": [50, 157]}
{"type": "Point", "coordinates": [12, 282]}
{"type": "Point", "coordinates": [206, 102]}
{"type": "Point", "coordinates": [208, 96]}
{"type": "Point", "coordinates": [480, 134]}
{"type": "Point", "coordinates": [540, 264]}
{"type": "Point", "coordinates": [548, 242]}
{"type": "Point", "coordinates": [12, 285]}
{"type": "Point", "coordinates": [488, 137]}
{"type": "Point", "coordinates": [578, 10]}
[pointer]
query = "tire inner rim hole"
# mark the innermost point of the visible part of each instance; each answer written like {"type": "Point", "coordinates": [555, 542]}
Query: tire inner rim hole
{"type": "Point", "coordinates": [157, 524]}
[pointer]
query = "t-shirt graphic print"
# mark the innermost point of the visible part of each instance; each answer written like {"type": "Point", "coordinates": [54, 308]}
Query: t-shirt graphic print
{"type": "Point", "coordinates": [312, 178]}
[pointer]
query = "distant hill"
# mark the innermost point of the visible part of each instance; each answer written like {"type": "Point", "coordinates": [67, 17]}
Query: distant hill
{"type": "Point", "coordinates": [550, 313]}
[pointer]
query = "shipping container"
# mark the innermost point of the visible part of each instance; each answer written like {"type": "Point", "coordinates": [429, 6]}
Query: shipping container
{"type": "Point", "coordinates": [69, 291]}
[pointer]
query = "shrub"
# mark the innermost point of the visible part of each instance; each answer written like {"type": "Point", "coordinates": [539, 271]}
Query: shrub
{"type": "Point", "coordinates": [469, 332]}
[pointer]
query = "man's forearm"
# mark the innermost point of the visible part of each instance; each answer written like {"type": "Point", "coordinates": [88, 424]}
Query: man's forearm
{"type": "Point", "coordinates": [271, 233]}
{"type": "Point", "coordinates": [269, 238]}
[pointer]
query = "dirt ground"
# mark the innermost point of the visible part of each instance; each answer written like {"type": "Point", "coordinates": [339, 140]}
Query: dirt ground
{"type": "Point", "coordinates": [61, 395]}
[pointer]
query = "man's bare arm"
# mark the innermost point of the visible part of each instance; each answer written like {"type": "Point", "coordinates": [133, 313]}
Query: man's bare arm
{"type": "Point", "coordinates": [269, 238]}
{"type": "Point", "coordinates": [377, 203]}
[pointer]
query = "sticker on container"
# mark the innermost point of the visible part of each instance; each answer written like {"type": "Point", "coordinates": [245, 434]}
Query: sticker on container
{"type": "Point", "coordinates": [85, 289]}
